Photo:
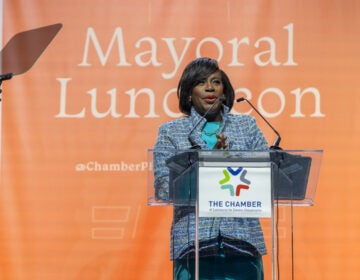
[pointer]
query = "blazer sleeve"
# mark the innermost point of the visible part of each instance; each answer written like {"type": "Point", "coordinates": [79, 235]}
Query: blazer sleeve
{"type": "Point", "coordinates": [163, 150]}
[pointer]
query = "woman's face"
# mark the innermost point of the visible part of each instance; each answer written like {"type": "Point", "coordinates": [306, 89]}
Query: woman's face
{"type": "Point", "coordinates": [206, 93]}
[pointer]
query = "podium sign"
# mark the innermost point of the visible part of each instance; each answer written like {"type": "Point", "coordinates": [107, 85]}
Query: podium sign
{"type": "Point", "coordinates": [241, 190]}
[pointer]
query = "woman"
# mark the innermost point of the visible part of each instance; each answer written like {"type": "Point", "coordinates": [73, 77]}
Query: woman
{"type": "Point", "coordinates": [229, 248]}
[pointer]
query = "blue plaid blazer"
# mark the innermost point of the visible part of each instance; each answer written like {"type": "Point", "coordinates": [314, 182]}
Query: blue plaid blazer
{"type": "Point", "coordinates": [242, 236]}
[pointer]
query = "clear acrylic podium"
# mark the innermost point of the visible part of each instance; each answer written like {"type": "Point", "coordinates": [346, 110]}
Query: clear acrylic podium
{"type": "Point", "coordinates": [257, 184]}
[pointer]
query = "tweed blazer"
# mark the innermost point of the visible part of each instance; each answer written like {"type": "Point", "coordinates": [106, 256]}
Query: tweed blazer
{"type": "Point", "coordinates": [241, 236]}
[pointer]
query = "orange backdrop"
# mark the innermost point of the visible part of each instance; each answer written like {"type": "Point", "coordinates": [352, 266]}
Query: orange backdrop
{"type": "Point", "coordinates": [76, 127]}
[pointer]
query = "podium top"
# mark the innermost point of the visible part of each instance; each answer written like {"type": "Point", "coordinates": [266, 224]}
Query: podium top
{"type": "Point", "coordinates": [298, 169]}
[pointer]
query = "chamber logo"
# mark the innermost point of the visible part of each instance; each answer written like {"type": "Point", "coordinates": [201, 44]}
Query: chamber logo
{"type": "Point", "coordinates": [234, 188]}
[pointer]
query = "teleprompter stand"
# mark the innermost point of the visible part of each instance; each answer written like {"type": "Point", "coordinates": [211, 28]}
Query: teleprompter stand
{"type": "Point", "coordinates": [243, 184]}
{"type": "Point", "coordinates": [21, 52]}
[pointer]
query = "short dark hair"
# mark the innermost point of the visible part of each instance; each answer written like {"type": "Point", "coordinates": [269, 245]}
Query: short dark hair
{"type": "Point", "coordinates": [195, 72]}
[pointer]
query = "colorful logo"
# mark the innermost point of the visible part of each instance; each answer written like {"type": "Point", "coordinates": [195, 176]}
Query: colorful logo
{"type": "Point", "coordinates": [225, 183]}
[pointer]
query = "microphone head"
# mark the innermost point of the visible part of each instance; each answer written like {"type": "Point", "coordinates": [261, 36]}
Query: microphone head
{"type": "Point", "coordinates": [221, 98]}
{"type": "Point", "coordinates": [241, 99]}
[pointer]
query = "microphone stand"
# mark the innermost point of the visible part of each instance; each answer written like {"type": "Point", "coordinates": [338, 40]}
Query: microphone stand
{"type": "Point", "coordinates": [279, 159]}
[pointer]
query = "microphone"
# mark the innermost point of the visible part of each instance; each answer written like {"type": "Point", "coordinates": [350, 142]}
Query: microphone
{"type": "Point", "coordinates": [278, 138]}
{"type": "Point", "coordinates": [194, 145]}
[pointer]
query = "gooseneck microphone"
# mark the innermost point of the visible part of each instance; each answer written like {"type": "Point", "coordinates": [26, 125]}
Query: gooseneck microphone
{"type": "Point", "coordinates": [194, 145]}
{"type": "Point", "coordinates": [278, 138]}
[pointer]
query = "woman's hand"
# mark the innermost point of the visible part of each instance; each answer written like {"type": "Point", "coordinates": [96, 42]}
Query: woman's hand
{"type": "Point", "coordinates": [221, 142]}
